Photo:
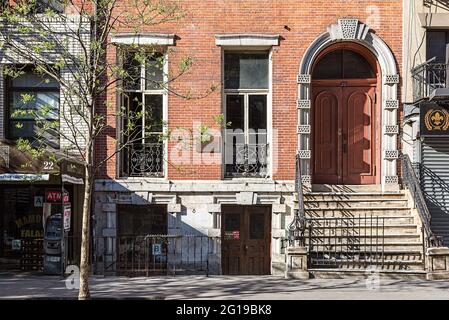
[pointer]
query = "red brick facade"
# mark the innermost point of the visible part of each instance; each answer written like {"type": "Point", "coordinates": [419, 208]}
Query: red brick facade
{"type": "Point", "coordinates": [297, 22]}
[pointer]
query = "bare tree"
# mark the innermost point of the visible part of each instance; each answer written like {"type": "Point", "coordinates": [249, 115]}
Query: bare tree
{"type": "Point", "coordinates": [67, 42]}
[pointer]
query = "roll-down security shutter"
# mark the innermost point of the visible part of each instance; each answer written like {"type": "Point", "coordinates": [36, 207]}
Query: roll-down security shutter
{"type": "Point", "coordinates": [435, 183]}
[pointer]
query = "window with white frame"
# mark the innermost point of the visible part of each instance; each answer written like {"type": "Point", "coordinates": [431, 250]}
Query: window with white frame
{"type": "Point", "coordinates": [246, 89]}
{"type": "Point", "coordinates": [143, 121]}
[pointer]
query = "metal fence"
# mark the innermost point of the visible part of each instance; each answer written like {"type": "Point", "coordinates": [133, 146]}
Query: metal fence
{"type": "Point", "coordinates": [346, 242]}
{"type": "Point", "coordinates": [157, 254]}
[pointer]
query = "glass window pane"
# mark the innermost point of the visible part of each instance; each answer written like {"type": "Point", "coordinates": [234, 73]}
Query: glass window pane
{"type": "Point", "coordinates": [258, 113]}
{"type": "Point", "coordinates": [343, 64]}
{"type": "Point", "coordinates": [153, 113]}
{"type": "Point", "coordinates": [133, 121]}
{"type": "Point", "coordinates": [436, 45]}
{"type": "Point", "coordinates": [154, 76]}
{"type": "Point", "coordinates": [34, 80]}
{"type": "Point", "coordinates": [246, 70]}
{"type": "Point", "coordinates": [256, 226]}
{"type": "Point", "coordinates": [356, 66]}
{"type": "Point", "coordinates": [232, 226]}
{"type": "Point", "coordinates": [30, 130]}
{"type": "Point", "coordinates": [44, 105]}
{"type": "Point", "coordinates": [330, 66]}
{"type": "Point", "coordinates": [235, 111]}
{"type": "Point", "coordinates": [132, 67]}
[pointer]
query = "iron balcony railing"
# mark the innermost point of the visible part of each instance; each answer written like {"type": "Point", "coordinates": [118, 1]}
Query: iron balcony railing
{"type": "Point", "coordinates": [247, 160]}
{"type": "Point", "coordinates": [428, 77]}
{"type": "Point", "coordinates": [143, 160]}
{"type": "Point", "coordinates": [412, 183]}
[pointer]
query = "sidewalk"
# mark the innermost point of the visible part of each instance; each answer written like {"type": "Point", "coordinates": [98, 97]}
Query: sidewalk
{"type": "Point", "coordinates": [220, 287]}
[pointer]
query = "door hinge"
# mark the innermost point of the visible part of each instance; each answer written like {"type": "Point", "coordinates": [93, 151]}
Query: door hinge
{"type": "Point", "coordinates": [375, 98]}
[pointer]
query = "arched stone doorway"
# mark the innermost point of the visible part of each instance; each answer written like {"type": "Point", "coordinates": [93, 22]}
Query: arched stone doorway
{"type": "Point", "coordinates": [358, 38]}
{"type": "Point", "coordinates": [345, 139]}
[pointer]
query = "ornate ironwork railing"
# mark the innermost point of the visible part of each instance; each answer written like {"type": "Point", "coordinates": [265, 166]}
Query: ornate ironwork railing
{"type": "Point", "coordinates": [248, 160]}
{"type": "Point", "coordinates": [427, 77]}
{"type": "Point", "coordinates": [347, 242]}
{"type": "Point", "coordinates": [157, 254]}
{"type": "Point", "coordinates": [297, 227]}
{"type": "Point", "coordinates": [412, 183]}
{"type": "Point", "coordinates": [143, 160]}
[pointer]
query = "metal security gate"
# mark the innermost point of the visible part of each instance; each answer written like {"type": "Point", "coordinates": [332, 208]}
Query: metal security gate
{"type": "Point", "coordinates": [346, 242]}
{"type": "Point", "coordinates": [434, 176]}
{"type": "Point", "coordinates": [160, 255]}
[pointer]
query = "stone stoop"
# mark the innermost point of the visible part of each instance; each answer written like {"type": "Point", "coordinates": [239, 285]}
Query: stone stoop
{"type": "Point", "coordinates": [399, 242]}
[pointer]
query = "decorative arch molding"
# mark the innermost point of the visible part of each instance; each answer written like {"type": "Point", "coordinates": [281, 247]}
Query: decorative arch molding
{"type": "Point", "coordinates": [352, 30]}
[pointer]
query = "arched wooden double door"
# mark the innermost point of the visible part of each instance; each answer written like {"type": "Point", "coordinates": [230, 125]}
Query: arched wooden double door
{"type": "Point", "coordinates": [345, 120]}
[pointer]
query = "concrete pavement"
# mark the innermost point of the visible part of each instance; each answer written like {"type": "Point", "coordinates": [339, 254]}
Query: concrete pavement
{"type": "Point", "coordinates": [28, 286]}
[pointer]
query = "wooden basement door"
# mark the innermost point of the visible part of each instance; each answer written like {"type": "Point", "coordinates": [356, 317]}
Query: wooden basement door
{"type": "Point", "coordinates": [246, 240]}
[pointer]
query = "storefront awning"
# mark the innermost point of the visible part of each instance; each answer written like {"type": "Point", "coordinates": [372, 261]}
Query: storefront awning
{"type": "Point", "coordinates": [17, 166]}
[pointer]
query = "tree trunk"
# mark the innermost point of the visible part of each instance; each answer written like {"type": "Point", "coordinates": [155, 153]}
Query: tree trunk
{"type": "Point", "coordinates": [85, 237]}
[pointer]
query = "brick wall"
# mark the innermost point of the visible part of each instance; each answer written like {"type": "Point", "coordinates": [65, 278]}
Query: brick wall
{"type": "Point", "coordinates": [297, 22]}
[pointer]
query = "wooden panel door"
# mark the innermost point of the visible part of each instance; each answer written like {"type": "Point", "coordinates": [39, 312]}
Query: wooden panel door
{"type": "Point", "coordinates": [359, 138]}
{"type": "Point", "coordinates": [326, 159]}
{"type": "Point", "coordinates": [344, 134]}
{"type": "Point", "coordinates": [232, 241]}
{"type": "Point", "coordinates": [246, 240]}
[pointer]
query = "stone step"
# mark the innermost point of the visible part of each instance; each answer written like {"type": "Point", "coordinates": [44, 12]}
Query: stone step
{"type": "Point", "coordinates": [388, 247]}
{"type": "Point", "coordinates": [360, 229]}
{"type": "Point", "coordinates": [363, 274]}
{"type": "Point", "coordinates": [353, 196]}
{"type": "Point", "coordinates": [361, 212]}
{"type": "Point", "coordinates": [364, 203]}
{"type": "Point", "coordinates": [408, 238]}
{"type": "Point", "coordinates": [388, 218]}
{"type": "Point", "coordinates": [346, 188]}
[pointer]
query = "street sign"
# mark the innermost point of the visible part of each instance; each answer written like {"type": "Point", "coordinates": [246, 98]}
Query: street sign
{"type": "Point", "coordinates": [38, 201]}
{"type": "Point", "coordinates": [67, 217]}
{"type": "Point", "coordinates": [54, 196]}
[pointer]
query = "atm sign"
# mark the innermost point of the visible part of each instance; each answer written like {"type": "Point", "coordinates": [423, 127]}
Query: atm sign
{"type": "Point", "coordinates": [54, 196]}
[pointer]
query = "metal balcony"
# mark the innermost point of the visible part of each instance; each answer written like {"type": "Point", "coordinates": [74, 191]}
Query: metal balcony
{"type": "Point", "coordinates": [247, 160]}
{"type": "Point", "coordinates": [143, 160]}
{"type": "Point", "coordinates": [430, 81]}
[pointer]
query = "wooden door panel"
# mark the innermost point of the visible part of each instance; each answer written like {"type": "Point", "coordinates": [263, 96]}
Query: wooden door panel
{"type": "Point", "coordinates": [326, 108]}
{"type": "Point", "coordinates": [359, 136]}
{"type": "Point", "coordinates": [250, 252]}
{"type": "Point", "coordinates": [232, 245]}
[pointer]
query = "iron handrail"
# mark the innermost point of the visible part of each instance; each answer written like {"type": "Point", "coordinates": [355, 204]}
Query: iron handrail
{"type": "Point", "coordinates": [298, 226]}
{"type": "Point", "coordinates": [412, 183]}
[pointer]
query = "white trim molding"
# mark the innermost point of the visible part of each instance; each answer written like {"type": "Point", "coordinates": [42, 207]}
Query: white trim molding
{"type": "Point", "coordinates": [161, 39]}
{"type": "Point", "coordinates": [352, 30]}
{"type": "Point", "coordinates": [247, 39]}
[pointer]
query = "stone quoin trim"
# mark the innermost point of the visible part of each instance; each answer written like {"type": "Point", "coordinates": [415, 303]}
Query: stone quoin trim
{"type": "Point", "coordinates": [352, 30]}
{"type": "Point", "coordinates": [161, 39]}
{"type": "Point", "coordinates": [247, 39]}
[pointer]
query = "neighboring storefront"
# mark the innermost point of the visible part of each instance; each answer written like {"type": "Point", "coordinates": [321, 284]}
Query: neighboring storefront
{"type": "Point", "coordinates": [434, 168]}
{"type": "Point", "coordinates": [31, 191]}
